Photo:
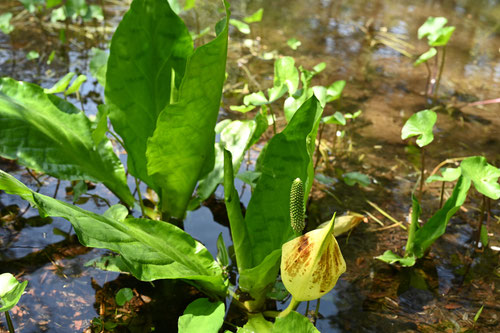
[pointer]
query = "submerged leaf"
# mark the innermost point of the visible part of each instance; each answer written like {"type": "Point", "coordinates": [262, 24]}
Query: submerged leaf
{"type": "Point", "coordinates": [311, 264]}
{"type": "Point", "coordinates": [421, 124]}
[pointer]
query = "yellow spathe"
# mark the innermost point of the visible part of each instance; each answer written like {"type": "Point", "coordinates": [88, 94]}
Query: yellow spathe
{"type": "Point", "coordinates": [311, 264]}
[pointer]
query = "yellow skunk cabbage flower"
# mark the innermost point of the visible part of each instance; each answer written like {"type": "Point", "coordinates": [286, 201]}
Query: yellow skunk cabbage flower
{"type": "Point", "coordinates": [311, 264]}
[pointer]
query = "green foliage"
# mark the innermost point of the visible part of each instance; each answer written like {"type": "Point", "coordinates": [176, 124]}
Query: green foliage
{"type": "Point", "coordinates": [431, 26]}
{"type": "Point", "coordinates": [181, 150]}
{"type": "Point", "coordinates": [145, 65]}
{"type": "Point", "coordinates": [255, 17]}
{"type": "Point", "coordinates": [32, 55]}
{"type": "Point", "coordinates": [420, 124]}
{"type": "Point", "coordinates": [149, 249]}
{"type": "Point", "coordinates": [48, 134]}
{"type": "Point", "coordinates": [425, 56]}
{"type": "Point", "coordinates": [10, 291]}
{"type": "Point", "coordinates": [98, 65]}
{"type": "Point", "coordinates": [123, 296]}
{"type": "Point", "coordinates": [60, 85]}
{"type": "Point", "coordinates": [337, 118]}
{"type": "Point", "coordinates": [293, 43]}
{"type": "Point", "coordinates": [294, 322]}
{"type": "Point", "coordinates": [75, 86]}
{"type": "Point", "coordinates": [241, 26]}
{"type": "Point", "coordinates": [5, 26]}
{"type": "Point", "coordinates": [392, 258]}
{"type": "Point", "coordinates": [351, 178]}
{"type": "Point", "coordinates": [202, 314]}
{"type": "Point", "coordinates": [447, 175]}
{"type": "Point", "coordinates": [483, 175]}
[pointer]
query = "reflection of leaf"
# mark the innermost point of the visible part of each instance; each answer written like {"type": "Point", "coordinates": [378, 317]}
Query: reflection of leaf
{"type": "Point", "coordinates": [483, 175]}
{"type": "Point", "coordinates": [425, 56]}
{"type": "Point", "coordinates": [421, 124]}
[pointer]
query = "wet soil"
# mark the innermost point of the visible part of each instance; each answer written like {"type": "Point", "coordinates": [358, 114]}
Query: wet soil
{"type": "Point", "coordinates": [442, 293]}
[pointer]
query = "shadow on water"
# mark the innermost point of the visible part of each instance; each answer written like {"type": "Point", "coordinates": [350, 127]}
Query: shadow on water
{"type": "Point", "coordinates": [442, 293]}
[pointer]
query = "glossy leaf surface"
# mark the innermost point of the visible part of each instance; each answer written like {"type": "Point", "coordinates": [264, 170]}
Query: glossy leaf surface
{"type": "Point", "coordinates": [48, 134]}
{"type": "Point", "coordinates": [202, 315]}
{"type": "Point", "coordinates": [149, 249]}
{"type": "Point", "coordinates": [420, 124]}
{"type": "Point", "coordinates": [483, 175]}
{"type": "Point", "coordinates": [181, 150]}
{"type": "Point", "coordinates": [150, 43]}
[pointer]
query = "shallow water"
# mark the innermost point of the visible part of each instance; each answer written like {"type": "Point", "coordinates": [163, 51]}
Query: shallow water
{"type": "Point", "coordinates": [443, 292]}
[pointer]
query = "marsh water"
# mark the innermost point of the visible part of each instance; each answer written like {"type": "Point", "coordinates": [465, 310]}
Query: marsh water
{"type": "Point", "coordinates": [361, 42]}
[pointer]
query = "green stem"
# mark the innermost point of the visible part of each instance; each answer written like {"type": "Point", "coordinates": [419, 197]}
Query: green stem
{"type": "Point", "coordinates": [440, 72]}
{"type": "Point", "coordinates": [291, 307]}
{"type": "Point", "coordinates": [317, 309]}
{"type": "Point", "coordinates": [9, 322]}
{"type": "Point", "coordinates": [140, 196]}
{"type": "Point", "coordinates": [318, 154]}
{"type": "Point", "coordinates": [480, 221]}
{"type": "Point", "coordinates": [422, 162]}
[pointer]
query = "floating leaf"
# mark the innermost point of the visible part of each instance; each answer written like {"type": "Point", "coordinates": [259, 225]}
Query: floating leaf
{"type": "Point", "coordinates": [311, 264]}
{"type": "Point", "coordinates": [421, 124]}
{"type": "Point", "coordinates": [203, 315]}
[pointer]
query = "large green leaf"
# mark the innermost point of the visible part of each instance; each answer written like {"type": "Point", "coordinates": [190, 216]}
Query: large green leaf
{"type": "Point", "coordinates": [181, 150]}
{"type": "Point", "coordinates": [202, 316]}
{"type": "Point", "coordinates": [294, 322]}
{"type": "Point", "coordinates": [48, 134]}
{"type": "Point", "coordinates": [483, 175]}
{"type": "Point", "coordinates": [436, 226]}
{"type": "Point", "coordinates": [150, 249]}
{"type": "Point", "coordinates": [420, 124]}
{"type": "Point", "coordinates": [286, 157]}
{"type": "Point", "coordinates": [149, 45]}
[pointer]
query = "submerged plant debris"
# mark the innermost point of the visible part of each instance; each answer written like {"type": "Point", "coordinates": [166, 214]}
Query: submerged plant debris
{"type": "Point", "coordinates": [315, 90]}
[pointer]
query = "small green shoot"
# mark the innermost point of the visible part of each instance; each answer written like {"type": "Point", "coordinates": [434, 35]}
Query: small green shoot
{"type": "Point", "coordinates": [32, 55]}
{"type": "Point", "coordinates": [293, 43]}
{"type": "Point", "coordinates": [420, 124]}
{"type": "Point", "coordinates": [5, 26]}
